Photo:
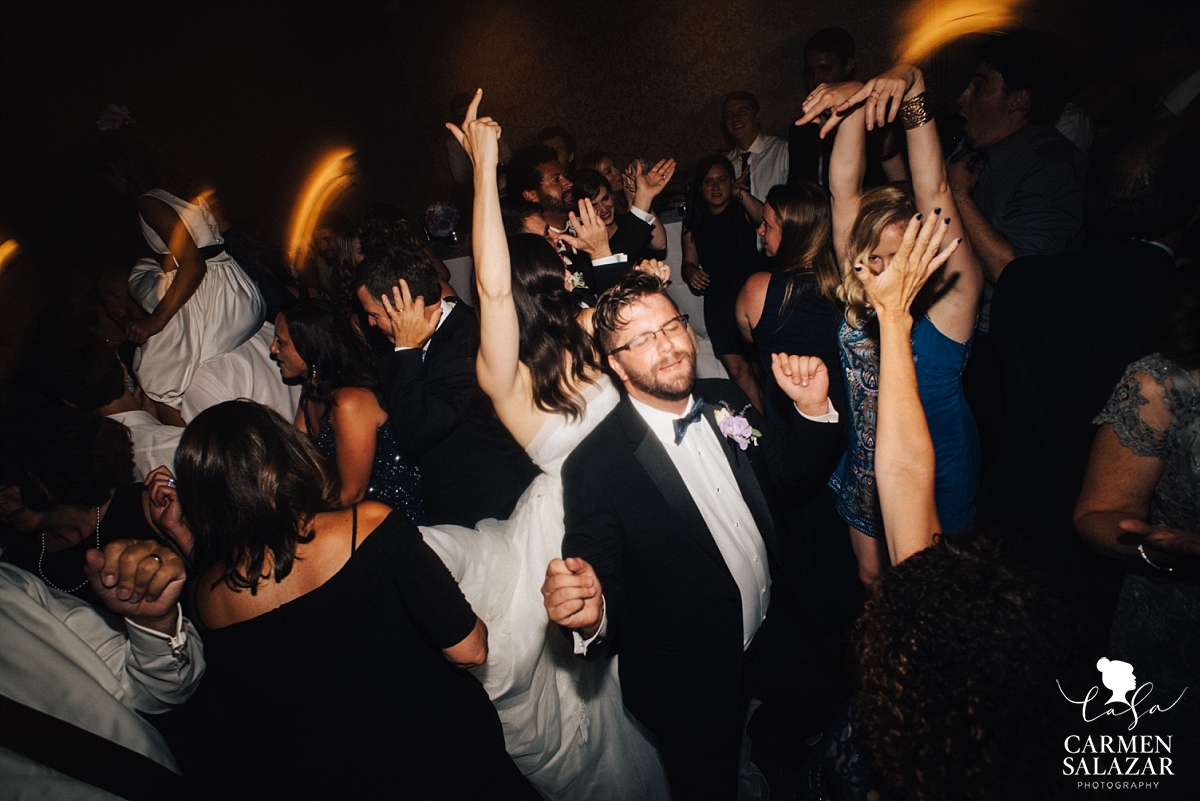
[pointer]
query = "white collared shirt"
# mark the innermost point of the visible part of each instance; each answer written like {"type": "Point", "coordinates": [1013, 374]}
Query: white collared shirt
{"type": "Point", "coordinates": [704, 467]}
{"type": "Point", "coordinates": [769, 163]}
{"type": "Point", "coordinates": [447, 307]}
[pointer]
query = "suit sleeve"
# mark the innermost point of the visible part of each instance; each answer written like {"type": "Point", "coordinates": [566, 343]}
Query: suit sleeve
{"type": "Point", "coordinates": [593, 533]}
{"type": "Point", "coordinates": [633, 234]}
{"type": "Point", "coordinates": [427, 400]}
{"type": "Point", "coordinates": [801, 455]}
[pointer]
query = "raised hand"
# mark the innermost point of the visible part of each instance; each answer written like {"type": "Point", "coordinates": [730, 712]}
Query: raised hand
{"type": "Point", "coordinates": [140, 580]}
{"type": "Point", "coordinates": [892, 291]}
{"type": "Point", "coordinates": [741, 187]}
{"type": "Point", "coordinates": [883, 94]}
{"type": "Point", "coordinates": [591, 234]}
{"type": "Point", "coordinates": [411, 327]}
{"type": "Point", "coordinates": [659, 269]}
{"type": "Point", "coordinates": [829, 97]}
{"type": "Point", "coordinates": [572, 595]}
{"type": "Point", "coordinates": [479, 136]}
{"type": "Point", "coordinates": [652, 182]}
{"type": "Point", "coordinates": [805, 380]}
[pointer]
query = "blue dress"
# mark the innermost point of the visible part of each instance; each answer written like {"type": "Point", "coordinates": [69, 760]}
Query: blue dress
{"type": "Point", "coordinates": [394, 481]}
{"type": "Point", "coordinates": [939, 364]}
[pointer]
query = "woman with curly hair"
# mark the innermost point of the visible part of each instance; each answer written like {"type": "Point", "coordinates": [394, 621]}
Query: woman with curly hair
{"type": "Point", "coordinates": [867, 231]}
{"type": "Point", "coordinates": [564, 720]}
{"type": "Point", "coordinates": [342, 406]}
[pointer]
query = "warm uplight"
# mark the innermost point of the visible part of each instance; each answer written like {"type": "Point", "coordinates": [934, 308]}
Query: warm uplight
{"type": "Point", "coordinates": [330, 178]}
{"type": "Point", "coordinates": [932, 23]}
{"type": "Point", "coordinates": [8, 249]}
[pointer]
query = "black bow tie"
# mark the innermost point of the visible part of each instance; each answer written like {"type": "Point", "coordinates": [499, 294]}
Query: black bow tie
{"type": "Point", "coordinates": [681, 425]}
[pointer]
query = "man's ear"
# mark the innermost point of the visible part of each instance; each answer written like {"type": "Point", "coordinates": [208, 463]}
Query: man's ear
{"type": "Point", "coordinates": [1019, 101]}
{"type": "Point", "coordinates": [849, 70]}
{"type": "Point", "coordinates": [531, 195]}
{"type": "Point", "coordinates": [617, 368]}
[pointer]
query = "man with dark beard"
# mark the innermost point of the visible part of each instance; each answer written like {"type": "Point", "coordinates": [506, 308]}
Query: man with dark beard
{"type": "Point", "coordinates": [536, 175]}
{"type": "Point", "coordinates": [669, 538]}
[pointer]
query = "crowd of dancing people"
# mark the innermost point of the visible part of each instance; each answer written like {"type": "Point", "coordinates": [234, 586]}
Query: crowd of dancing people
{"type": "Point", "coordinates": [342, 529]}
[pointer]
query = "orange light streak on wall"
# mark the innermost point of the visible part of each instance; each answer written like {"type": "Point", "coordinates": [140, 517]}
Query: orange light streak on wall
{"type": "Point", "coordinates": [932, 23]}
{"type": "Point", "coordinates": [327, 181]}
{"type": "Point", "coordinates": [8, 250]}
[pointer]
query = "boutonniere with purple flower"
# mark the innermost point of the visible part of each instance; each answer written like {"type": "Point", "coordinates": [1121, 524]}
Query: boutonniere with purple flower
{"type": "Point", "coordinates": [735, 426]}
{"type": "Point", "coordinates": [577, 281]}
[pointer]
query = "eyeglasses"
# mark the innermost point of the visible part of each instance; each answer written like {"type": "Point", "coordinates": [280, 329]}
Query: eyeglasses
{"type": "Point", "coordinates": [643, 342]}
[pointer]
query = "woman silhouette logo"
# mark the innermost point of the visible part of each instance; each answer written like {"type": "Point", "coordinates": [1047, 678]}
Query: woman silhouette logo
{"type": "Point", "coordinates": [1118, 677]}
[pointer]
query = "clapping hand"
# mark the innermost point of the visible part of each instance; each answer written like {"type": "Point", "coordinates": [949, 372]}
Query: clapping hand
{"type": "Point", "coordinates": [892, 291]}
{"type": "Point", "coordinates": [140, 580]}
{"type": "Point", "coordinates": [805, 380]}
{"type": "Point", "coordinates": [591, 234]}
{"type": "Point", "coordinates": [411, 327]}
{"type": "Point", "coordinates": [479, 136]}
{"type": "Point", "coordinates": [572, 595]}
{"type": "Point", "coordinates": [829, 97]}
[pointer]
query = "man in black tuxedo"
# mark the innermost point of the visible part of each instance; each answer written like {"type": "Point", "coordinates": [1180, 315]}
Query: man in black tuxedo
{"type": "Point", "coordinates": [471, 467]}
{"type": "Point", "coordinates": [669, 536]}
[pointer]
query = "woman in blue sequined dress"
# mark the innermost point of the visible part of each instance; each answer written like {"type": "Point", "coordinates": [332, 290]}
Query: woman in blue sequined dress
{"type": "Point", "coordinates": [341, 406]}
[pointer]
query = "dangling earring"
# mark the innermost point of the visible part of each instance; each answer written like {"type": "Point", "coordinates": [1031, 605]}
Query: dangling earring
{"type": "Point", "coordinates": [312, 374]}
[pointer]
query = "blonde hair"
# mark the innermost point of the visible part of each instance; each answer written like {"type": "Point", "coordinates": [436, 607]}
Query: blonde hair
{"type": "Point", "coordinates": [877, 209]}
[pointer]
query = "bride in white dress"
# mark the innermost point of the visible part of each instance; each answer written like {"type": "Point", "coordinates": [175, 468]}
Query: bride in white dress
{"type": "Point", "coordinates": [564, 722]}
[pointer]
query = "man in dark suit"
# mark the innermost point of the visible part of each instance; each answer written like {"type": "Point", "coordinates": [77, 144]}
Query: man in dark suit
{"type": "Point", "coordinates": [471, 467]}
{"type": "Point", "coordinates": [669, 537]}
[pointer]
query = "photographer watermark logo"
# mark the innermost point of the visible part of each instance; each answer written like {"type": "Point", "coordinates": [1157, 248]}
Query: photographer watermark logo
{"type": "Point", "coordinates": [1141, 755]}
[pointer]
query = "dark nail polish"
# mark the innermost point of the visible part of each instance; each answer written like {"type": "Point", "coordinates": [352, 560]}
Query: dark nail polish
{"type": "Point", "coordinates": [947, 221]}
{"type": "Point", "coordinates": [959, 240]}
{"type": "Point", "coordinates": [938, 210]}
{"type": "Point", "coordinates": [919, 216]}
{"type": "Point", "coordinates": [858, 268]}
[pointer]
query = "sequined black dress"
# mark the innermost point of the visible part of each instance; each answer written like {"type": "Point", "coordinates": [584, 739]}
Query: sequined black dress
{"type": "Point", "coordinates": [394, 480]}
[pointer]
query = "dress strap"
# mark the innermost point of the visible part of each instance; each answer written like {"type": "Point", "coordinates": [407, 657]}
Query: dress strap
{"type": "Point", "coordinates": [353, 528]}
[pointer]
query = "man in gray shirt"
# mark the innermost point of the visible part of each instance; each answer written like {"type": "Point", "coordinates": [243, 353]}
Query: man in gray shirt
{"type": "Point", "coordinates": [1017, 182]}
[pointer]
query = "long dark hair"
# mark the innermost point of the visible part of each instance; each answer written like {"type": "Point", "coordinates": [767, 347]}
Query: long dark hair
{"type": "Point", "coordinates": [697, 212]}
{"type": "Point", "coordinates": [806, 248]}
{"type": "Point", "coordinates": [546, 313]}
{"type": "Point", "coordinates": [335, 355]}
{"type": "Point", "coordinates": [250, 482]}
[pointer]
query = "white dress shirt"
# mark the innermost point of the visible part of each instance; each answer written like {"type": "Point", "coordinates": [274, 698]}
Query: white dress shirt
{"type": "Point", "coordinates": [702, 464]}
{"type": "Point", "coordinates": [154, 442]}
{"type": "Point", "coordinates": [63, 658]}
{"type": "Point", "coordinates": [447, 307]}
{"type": "Point", "coordinates": [769, 163]}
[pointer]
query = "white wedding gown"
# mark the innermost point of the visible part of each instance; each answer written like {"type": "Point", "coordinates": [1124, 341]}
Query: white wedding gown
{"type": "Point", "coordinates": [564, 723]}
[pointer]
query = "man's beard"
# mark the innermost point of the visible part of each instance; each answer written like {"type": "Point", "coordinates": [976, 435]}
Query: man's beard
{"type": "Point", "coordinates": [669, 390]}
{"type": "Point", "coordinates": [556, 205]}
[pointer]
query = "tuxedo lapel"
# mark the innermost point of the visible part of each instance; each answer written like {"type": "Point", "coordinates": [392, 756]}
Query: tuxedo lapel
{"type": "Point", "coordinates": [743, 471]}
{"type": "Point", "coordinates": [653, 458]}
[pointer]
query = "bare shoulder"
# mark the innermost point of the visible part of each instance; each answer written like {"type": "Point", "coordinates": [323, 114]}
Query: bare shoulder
{"type": "Point", "coordinates": [755, 289]}
{"type": "Point", "coordinates": [357, 402]}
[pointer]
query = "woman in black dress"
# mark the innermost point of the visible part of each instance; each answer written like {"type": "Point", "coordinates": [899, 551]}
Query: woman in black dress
{"type": "Point", "coordinates": [720, 251]}
{"type": "Point", "coordinates": [335, 638]}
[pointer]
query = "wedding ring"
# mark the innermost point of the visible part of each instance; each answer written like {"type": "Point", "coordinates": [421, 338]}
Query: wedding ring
{"type": "Point", "coordinates": [170, 482]}
{"type": "Point", "coordinates": [156, 558]}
